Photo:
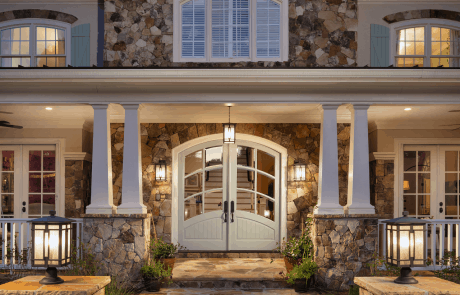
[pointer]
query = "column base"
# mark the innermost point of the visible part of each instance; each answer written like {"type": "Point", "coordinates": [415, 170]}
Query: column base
{"type": "Point", "coordinates": [101, 210]}
{"type": "Point", "coordinates": [360, 209]}
{"type": "Point", "coordinates": [131, 209]}
{"type": "Point", "coordinates": [328, 210]}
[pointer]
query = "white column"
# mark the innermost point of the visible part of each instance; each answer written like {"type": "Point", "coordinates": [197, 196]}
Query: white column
{"type": "Point", "coordinates": [328, 186]}
{"type": "Point", "coordinates": [359, 195]}
{"type": "Point", "coordinates": [131, 194]}
{"type": "Point", "coordinates": [101, 179]}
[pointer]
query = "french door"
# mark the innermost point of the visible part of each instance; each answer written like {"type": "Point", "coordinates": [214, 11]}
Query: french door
{"type": "Point", "coordinates": [29, 187]}
{"type": "Point", "coordinates": [430, 181]}
{"type": "Point", "coordinates": [229, 197]}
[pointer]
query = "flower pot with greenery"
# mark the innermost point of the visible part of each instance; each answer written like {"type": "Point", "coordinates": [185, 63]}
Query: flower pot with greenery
{"type": "Point", "coordinates": [164, 252]}
{"type": "Point", "coordinates": [301, 275]}
{"type": "Point", "coordinates": [154, 274]}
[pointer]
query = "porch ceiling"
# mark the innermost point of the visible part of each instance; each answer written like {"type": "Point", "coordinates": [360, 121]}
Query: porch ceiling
{"type": "Point", "coordinates": [380, 116]}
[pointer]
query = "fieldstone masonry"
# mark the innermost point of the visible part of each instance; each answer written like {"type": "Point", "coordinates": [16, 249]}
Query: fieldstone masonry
{"type": "Point", "coordinates": [382, 187]}
{"type": "Point", "coordinates": [120, 243]}
{"type": "Point", "coordinates": [139, 33]}
{"type": "Point", "coordinates": [422, 13]}
{"type": "Point", "coordinates": [343, 246]}
{"type": "Point", "coordinates": [158, 140]}
{"type": "Point", "coordinates": [77, 187]}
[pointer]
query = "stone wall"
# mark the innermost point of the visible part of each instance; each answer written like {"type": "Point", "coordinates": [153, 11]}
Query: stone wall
{"type": "Point", "coordinates": [382, 187]}
{"type": "Point", "coordinates": [120, 243]}
{"type": "Point", "coordinates": [77, 187]}
{"type": "Point", "coordinates": [158, 140]}
{"type": "Point", "coordinates": [343, 246]}
{"type": "Point", "coordinates": [139, 33]}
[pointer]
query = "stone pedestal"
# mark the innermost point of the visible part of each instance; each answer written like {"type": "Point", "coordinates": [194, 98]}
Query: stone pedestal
{"type": "Point", "coordinates": [343, 245]}
{"type": "Point", "coordinates": [120, 242]}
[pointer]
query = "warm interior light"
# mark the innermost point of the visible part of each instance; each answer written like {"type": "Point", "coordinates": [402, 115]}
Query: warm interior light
{"type": "Point", "coordinates": [406, 185]}
{"type": "Point", "coordinates": [299, 172]}
{"type": "Point", "coordinates": [229, 133]}
{"type": "Point", "coordinates": [49, 109]}
{"type": "Point", "coordinates": [408, 109]}
{"type": "Point", "coordinates": [267, 213]}
{"type": "Point", "coordinates": [160, 171]}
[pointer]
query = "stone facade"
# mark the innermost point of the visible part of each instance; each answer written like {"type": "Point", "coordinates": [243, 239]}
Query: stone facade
{"type": "Point", "coordinates": [322, 33]}
{"type": "Point", "coordinates": [37, 13]}
{"type": "Point", "coordinates": [343, 246]}
{"type": "Point", "coordinates": [158, 140]}
{"type": "Point", "coordinates": [77, 187]}
{"type": "Point", "coordinates": [422, 13]}
{"type": "Point", "coordinates": [382, 187]}
{"type": "Point", "coordinates": [120, 243]}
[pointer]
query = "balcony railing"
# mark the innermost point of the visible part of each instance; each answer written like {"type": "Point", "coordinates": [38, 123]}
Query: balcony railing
{"type": "Point", "coordinates": [22, 241]}
{"type": "Point", "coordinates": [441, 235]}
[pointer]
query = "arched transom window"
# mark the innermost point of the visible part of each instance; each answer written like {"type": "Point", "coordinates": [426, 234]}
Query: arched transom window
{"type": "Point", "coordinates": [427, 44]}
{"type": "Point", "coordinates": [230, 30]}
{"type": "Point", "coordinates": [34, 43]}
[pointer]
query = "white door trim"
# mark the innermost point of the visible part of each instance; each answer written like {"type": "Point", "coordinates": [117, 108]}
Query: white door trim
{"type": "Point", "coordinates": [175, 180]}
{"type": "Point", "coordinates": [398, 148]}
{"type": "Point", "coordinates": [60, 169]}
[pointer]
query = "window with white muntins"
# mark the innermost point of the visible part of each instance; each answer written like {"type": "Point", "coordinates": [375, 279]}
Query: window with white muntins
{"type": "Point", "coordinates": [230, 30]}
{"type": "Point", "coordinates": [34, 43]}
{"type": "Point", "coordinates": [426, 43]}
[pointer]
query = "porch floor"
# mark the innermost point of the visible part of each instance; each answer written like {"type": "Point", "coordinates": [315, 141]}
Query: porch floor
{"type": "Point", "coordinates": [228, 292]}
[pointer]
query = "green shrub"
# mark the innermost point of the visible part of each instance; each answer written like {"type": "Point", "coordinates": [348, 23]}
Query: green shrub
{"type": "Point", "coordinates": [450, 269]}
{"type": "Point", "coordinates": [296, 248]}
{"type": "Point", "coordinates": [160, 249]}
{"type": "Point", "coordinates": [304, 270]}
{"type": "Point", "coordinates": [354, 290]}
{"type": "Point", "coordinates": [156, 270]}
{"type": "Point", "coordinates": [85, 265]}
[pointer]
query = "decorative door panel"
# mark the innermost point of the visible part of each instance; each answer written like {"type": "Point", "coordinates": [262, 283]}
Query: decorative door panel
{"type": "Point", "coordinates": [449, 181]}
{"type": "Point", "coordinates": [10, 175]}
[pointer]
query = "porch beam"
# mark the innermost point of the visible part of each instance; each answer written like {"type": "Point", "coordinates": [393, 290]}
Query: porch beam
{"type": "Point", "coordinates": [131, 194]}
{"type": "Point", "coordinates": [358, 167]}
{"type": "Point", "coordinates": [101, 177]}
{"type": "Point", "coordinates": [328, 183]}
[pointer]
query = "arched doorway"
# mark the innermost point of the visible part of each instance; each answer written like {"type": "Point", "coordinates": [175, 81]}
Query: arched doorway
{"type": "Point", "coordinates": [247, 178]}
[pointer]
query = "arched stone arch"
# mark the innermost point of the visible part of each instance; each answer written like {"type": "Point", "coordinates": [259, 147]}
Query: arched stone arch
{"type": "Point", "coordinates": [422, 13]}
{"type": "Point", "coordinates": [37, 13]}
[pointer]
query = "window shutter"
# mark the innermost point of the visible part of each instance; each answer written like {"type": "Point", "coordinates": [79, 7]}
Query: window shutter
{"type": "Point", "coordinates": [80, 46]}
{"type": "Point", "coordinates": [380, 46]}
{"type": "Point", "coordinates": [193, 28]}
{"type": "Point", "coordinates": [268, 28]}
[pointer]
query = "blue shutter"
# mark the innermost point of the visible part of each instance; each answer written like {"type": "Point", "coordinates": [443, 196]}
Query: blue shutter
{"type": "Point", "coordinates": [268, 28]}
{"type": "Point", "coordinates": [193, 29]}
{"type": "Point", "coordinates": [80, 46]}
{"type": "Point", "coordinates": [380, 46]}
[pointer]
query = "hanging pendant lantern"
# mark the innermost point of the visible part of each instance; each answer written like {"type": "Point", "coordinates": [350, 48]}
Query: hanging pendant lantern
{"type": "Point", "coordinates": [229, 130]}
{"type": "Point", "coordinates": [160, 171]}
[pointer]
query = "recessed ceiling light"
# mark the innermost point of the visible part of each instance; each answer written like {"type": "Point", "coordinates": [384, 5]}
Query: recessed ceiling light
{"type": "Point", "coordinates": [48, 108]}
{"type": "Point", "coordinates": [408, 109]}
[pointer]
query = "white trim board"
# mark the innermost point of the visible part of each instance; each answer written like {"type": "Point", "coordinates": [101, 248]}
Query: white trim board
{"type": "Point", "coordinates": [399, 150]}
{"type": "Point", "coordinates": [76, 156]}
{"type": "Point", "coordinates": [381, 156]}
{"type": "Point", "coordinates": [60, 170]}
{"type": "Point", "coordinates": [270, 144]}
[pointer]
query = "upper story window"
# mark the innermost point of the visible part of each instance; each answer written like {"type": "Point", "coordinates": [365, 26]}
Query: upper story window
{"type": "Point", "coordinates": [230, 30]}
{"type": "Point", "coordinates": [427, 44]}
{"type": "Point", "coordinates": [34, 43]}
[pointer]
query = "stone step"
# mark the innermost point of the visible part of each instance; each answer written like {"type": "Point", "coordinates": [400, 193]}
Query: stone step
{"type": "Point", "coordinates": [228, 273]}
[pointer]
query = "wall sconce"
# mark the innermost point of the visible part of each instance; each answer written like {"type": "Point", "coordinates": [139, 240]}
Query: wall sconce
{"type": "Point", "coordinates": [406, 245]}
{"type": "Point", "coordinates": [406, 185]}
{"type": "Point", "coordinates": [299, 171]}
{"type": "Point", "coordinates": [51, 245]}
{"type": "Point", "coordinates": [229, 130]}
{"type": "Point", "coordinates": [160, 171]}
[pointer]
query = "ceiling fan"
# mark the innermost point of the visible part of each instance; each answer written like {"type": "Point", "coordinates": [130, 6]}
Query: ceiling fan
{"type": "Point", "coordinates": [452, 125]}
{"type": "Point", "coordinates": [6, 112]}
{"type": "Point", "coordinates": [7, 124]}
{"type": "Point", "coordinates": [454, 111]}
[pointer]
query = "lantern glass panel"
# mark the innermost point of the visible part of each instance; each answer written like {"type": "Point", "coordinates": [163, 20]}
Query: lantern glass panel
{"type": "Point", "coordinates": [46, 244]}
{"type": "Point", "coordinates": [388, 243]}
{"type": "Point", "coordinates": [64, 233]}
{"type": "Point", "coordinates": [38, 250]}
{"type": "Point", "coordinates": [160, 172]}
{"type": "Point", "coordinates": [411, 244]}
{"type": "Point", "coordinates": [68, 243]}
{"type": "Point", "coordinates": [395, 245]}
{"type": "Point", "coordinates": [404, 243]}
{"type": "Point", "coordinates": [54, 244]}
{"type": "Point", "coordinates": [419, 244]}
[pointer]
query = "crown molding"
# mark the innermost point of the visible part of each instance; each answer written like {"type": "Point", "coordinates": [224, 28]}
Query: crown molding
{"type": "Point", "coordinates": [76, 156]}
{"type": "Point", "coordinates": [414, 124]}
{"type": "Point", "coordinates": [382, 156]}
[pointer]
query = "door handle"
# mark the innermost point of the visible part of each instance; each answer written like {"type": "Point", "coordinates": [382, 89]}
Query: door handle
{"type": "Point", "coordinates": [232, 208]}
{"type": "Point", "coordinates": [441, 210]}
{"type": "Point", "coordinates": [225, 211]}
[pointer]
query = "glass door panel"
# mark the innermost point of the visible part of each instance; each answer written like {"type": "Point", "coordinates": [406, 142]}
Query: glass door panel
{"type": "Point", "coordinates": [449, 179]}
{"type": "Point", "coordinates": [9, 172]}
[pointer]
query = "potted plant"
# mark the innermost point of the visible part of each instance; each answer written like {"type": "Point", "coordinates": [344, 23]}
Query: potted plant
{"type": "Point", "coordinates": [154, 274]}
{"type": "Point", "coordinates": [164, 252]}
{"type": "Point", "coordinates": [301, 275]}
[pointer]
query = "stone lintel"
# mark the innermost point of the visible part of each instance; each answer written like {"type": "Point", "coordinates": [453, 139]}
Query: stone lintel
{"type": "Point", "coordinates": [340, 216]}
{"type": "Point", "coordinates": [141, 216]}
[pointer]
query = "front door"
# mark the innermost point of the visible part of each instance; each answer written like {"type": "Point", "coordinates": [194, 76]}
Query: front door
{"type": "Point", "coordinates": [430, 181]}
{"type": "Point", "coordinates": [244, 179]}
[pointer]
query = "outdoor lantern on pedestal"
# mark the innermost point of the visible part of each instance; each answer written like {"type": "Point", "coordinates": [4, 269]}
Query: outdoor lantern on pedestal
{"type": "Point", "coordinates": [229, 130]}
{"type": "Point", "coordinates": [160, 171]}
{"type": "Point", "coordinates": [51, 245]}
{"type": "Point", "coordinates": [299, 171]}
{"type": "Point", "coordinates": [406, 245]}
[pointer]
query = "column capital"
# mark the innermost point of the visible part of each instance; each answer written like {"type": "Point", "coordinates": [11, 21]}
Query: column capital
{"type": "Point", "coordinates": [329, 106]}
{"type": "Point", "coordinates": [100, 106]}
{"type": "Point", "coordinates": [132, 106]}
{"type": "Point", "coordinates": [360, 106]}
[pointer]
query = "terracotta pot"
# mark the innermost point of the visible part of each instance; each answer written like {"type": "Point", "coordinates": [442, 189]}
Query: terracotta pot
{"type": "Point", "coordinates": [302, 286]}
{"type": "Point", "coordinates": [152, 284]}
{"type": "Point", "coordinates": [289, 262]}
{"type": "Point", "coordinates": [167, 262]}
